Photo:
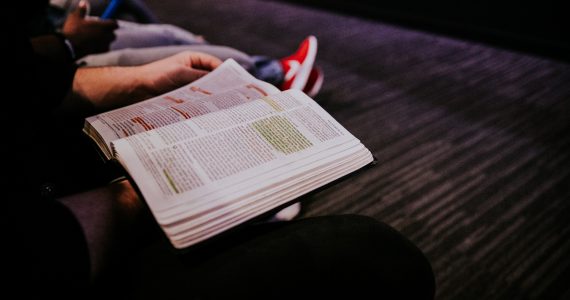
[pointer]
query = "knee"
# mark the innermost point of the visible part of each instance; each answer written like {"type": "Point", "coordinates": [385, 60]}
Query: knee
{"type": "Point", "coordinates": [383, 259]}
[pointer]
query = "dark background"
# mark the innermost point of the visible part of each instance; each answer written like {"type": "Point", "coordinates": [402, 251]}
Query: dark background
{"type": "Point", "coordinates": [540, 27]}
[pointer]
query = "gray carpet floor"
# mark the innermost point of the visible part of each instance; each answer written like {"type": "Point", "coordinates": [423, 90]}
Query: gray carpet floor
{"type": "Point", "coordinates": [472, 141]}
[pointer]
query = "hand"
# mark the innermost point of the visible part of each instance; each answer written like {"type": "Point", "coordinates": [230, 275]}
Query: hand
{"type": "Point", "coordinates": [175, 71]}
{"type": "Point", "coordinates": [88, 35]}
{"type": "Point", "coordinates": [111, 87]}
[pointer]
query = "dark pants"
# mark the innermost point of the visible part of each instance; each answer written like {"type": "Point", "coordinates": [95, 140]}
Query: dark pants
{"type": "Point", "coordinates": [334, 256]}
{"type": "Point", "coordinates": [72, 160]}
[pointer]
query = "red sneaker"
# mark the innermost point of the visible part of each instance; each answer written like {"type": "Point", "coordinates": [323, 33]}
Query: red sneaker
{"type": "Point", "coordinates": [315, 82]}
{"type": "Point", "coordinates": [298, 65]}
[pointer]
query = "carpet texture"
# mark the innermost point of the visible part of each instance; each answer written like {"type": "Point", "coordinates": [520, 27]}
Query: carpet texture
{"type": "Point", "coordinates": [472, 141]}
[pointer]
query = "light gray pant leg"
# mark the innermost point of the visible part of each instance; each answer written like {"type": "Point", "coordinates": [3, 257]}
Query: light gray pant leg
{"type": "Point", "coordinates": [133, 57]}
{"type": "Point", "coordinates": [134, 35]}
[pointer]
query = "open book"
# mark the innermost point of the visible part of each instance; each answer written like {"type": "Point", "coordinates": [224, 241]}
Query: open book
{"type": "Point", "coordinates": [224, 149]}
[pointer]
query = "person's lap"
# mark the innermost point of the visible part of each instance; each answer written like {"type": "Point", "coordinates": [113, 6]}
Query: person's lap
{"type": "Point", "coordinates": [323, 256]}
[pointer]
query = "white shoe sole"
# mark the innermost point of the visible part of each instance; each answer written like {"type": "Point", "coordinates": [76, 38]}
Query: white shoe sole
{"type": "Point", "coordinates": [288, 213]}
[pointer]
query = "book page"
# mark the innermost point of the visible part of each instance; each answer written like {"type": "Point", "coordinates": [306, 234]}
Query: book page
{"type": "Point", "coordinates": [200, 227]}
{"type": "Point", "coordinates": [200, 158]}
{"type": "Point", "coordinates": [295, 178]}
{"type": "Point", "coordinates": [207, 174]}
{"type": "Point", "coordinates": [227, 86]}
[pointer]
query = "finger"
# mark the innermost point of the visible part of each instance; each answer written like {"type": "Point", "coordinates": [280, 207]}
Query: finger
{"type": "Point", "coordinates": [187, 75]}
{"type": "Point", "coordinates": [192, 74]}
{"type": "Point", "coordinates": [197, 73]}
{"type": "Point", "coordinates": [204, 61]}
{"type": "Point", "coordinates": [112, 24]}
{"type": "Point", "coordinates": [107, 24]}
{"type": "Point", "coordinates": [82, 9]}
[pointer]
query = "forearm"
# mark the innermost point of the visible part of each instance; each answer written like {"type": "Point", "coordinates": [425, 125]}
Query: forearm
{"type": "Point", "coordinates": [110, 87]}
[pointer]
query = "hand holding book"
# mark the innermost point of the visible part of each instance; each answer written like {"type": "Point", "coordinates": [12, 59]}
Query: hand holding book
{"type": "Point", "coordinates": [224, 149]}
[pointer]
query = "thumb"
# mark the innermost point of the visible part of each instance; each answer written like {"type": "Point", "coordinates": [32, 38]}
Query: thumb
{"type": "Point", "coordinates": [81, 10]}
{"type": "Point", "coordinates": [191, 74]}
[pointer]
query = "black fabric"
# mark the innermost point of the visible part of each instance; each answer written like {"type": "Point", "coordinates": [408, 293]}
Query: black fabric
{"type": "Point", "coordinates": [46, 249]}
{"type": "Point", "coordinates": [348, 256]}
{"type": "Point", "coordinates": [48, 255]}
{"type": "Point", "coordinates": [32, 16]}
{"type": "Point", "coordinates": [51, 145]}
